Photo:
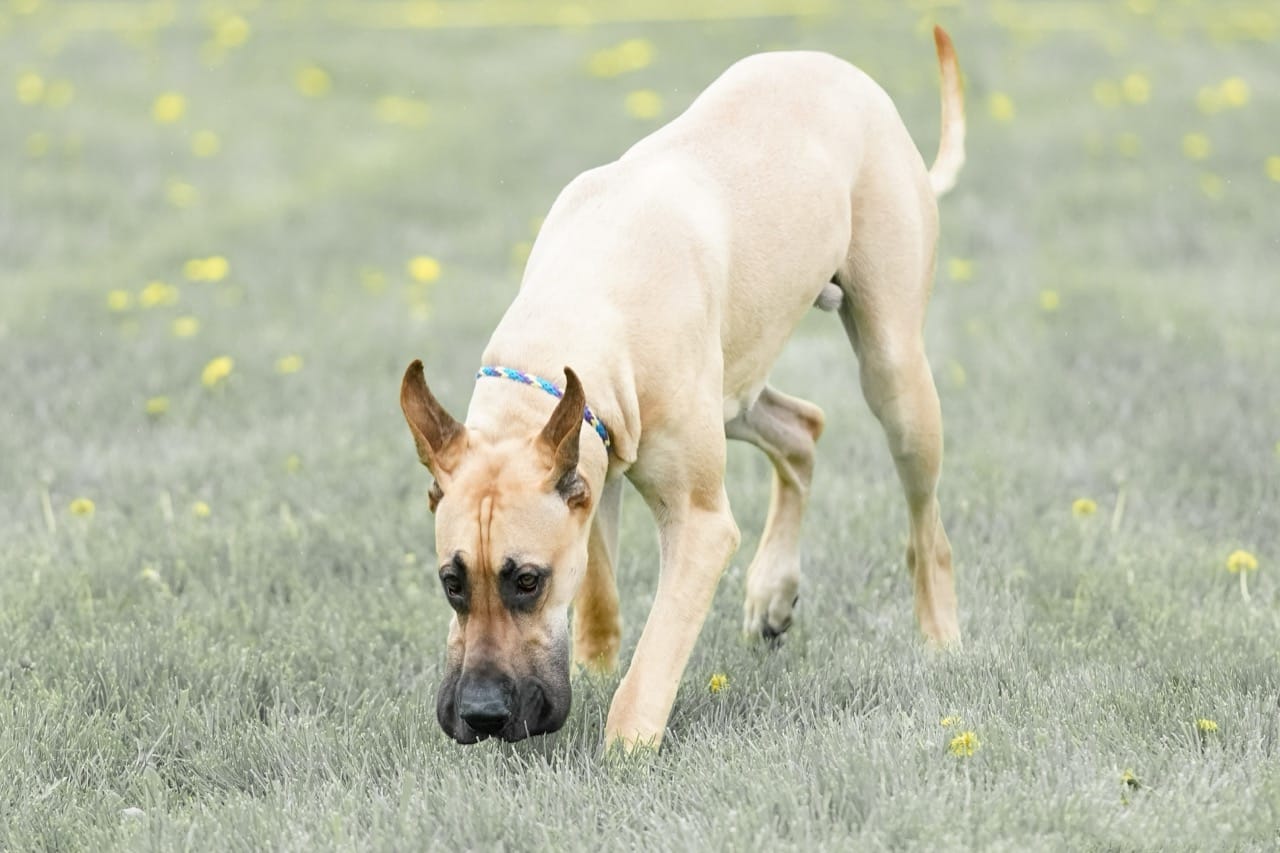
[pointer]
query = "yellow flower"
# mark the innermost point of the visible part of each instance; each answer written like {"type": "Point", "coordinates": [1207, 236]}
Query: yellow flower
{"type": "Point", "coordinates": [718, 682]}
{"type": "Point", "coordinates": [200, 509]}
{"type": "Point", "coordinates": [424, 269]}
{"type": "Point", "coordinates": [81, 506]}
{"type": "Point", "coordinates": [312, 81]}
{"type": "Point", "coordinates": [373, 279]}
{"type": "Point", "coordinates": [1196, 146]}
{"type": "Point", "coordinates": [1206, 725]}
{"type": "Point", "coordinates": [157, 293]}
{"type": "Point", "coordinates": [393, 109]}
{"type": "Point", "coordinates": [185, 327]}
{"type": "Point", "coordinates": [631, 55]}
{"type": "Point", "coordinates": [150, 575]}
{"type": "Point", "coordinates": [1273, 168]}
{"type": "Point", "coordinates": [1001, 107]}
{"type": "Point", "coordinates": [156, 406]}
{"type": "Point", "coordinates": [1241, 561]}
{"type": "Point", "coordinates": [1130, 779]}
{"type": "Point", "coordinates": [1049, 300]}
{"type": "Point", "coordinates": [217, 370]}
{"type": "Point", "coordinates": [1106, 93]}
{"type": "Point", "coordinates": [948, 722]}
{"type": "Point", "coordinates": [1235, 91]}
{"type": "Point", "coordinates": [29, 88]}
{"type": "Point", "coordinates": [1129, 144]}
{"type": "Point", "coordinates": [59, 93]}
{"type": "Point", "coordinates": [960, 269]}
{"type": "Point", "coordinates": [1136, 88]}
{"type": "Point", "coordinates": [231, 31]}
{"type": "Point", "coordinates": [180, 193]}
{"type": "Point", "coordinates": [293, 463]}
{"type": "Point", "coordinates": [1082, 507]}
{"type": "Point", "coordinates": [119, 300]}
{"type": "Point", "coordinates": [214, 268]}
{"type": "Point", "coordinates": [289, 364]}
{"type": "Point", "coordinates": [957, 373]}
{"type": "Point", "coordinates": [643, 104]}
{"type": "Point", "coordinates": [205, 143]}
{"type": "Point", "coordinates": [168, 108]}
{"type": "Point", "coordinates": [964, 745]}
{"type": "Point", "coordinates": [1212, 185]}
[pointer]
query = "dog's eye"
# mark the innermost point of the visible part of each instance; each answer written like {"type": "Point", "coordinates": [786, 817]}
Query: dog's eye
{"type": "Point", "coordinates": [528, 582]}
{"type": "Point", "coordinates": [452, 585]}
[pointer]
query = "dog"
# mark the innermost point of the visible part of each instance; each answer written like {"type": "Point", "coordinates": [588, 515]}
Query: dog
{"type": "Point", "coordinates": [669, 281]}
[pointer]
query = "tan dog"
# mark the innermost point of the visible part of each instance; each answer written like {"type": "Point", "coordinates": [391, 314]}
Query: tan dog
{"type": "Point", "coordinates": [670, 280]}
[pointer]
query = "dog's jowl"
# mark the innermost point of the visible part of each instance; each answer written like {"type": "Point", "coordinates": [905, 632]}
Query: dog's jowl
{"type": "Point", "coordinates": [668, 281]}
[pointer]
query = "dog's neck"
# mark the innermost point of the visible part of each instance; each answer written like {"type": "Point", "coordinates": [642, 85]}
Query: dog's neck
{"type": "Point", "coordinates": [502, 408]}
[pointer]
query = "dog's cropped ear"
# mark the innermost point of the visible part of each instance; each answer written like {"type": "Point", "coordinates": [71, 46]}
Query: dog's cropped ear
{"type": "Point", "coordinates": [439, 438]}
{"type": "Point", "coordinates": [560, 439]}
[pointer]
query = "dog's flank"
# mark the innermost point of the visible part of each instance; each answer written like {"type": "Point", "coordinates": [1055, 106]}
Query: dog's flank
{"type": "Point", "coordinates": [670, 280]}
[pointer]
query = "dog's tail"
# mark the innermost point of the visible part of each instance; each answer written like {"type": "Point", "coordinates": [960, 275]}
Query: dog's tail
{"type": "Point", "coordinates": [942, 175]}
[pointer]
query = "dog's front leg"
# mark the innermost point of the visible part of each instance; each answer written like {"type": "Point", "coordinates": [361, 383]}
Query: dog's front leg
{"type": "Point", "coordinates": [697, 536]}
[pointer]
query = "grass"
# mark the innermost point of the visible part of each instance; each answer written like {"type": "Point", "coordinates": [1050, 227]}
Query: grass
{"type": "Point", "coordinates": [1106, 325]}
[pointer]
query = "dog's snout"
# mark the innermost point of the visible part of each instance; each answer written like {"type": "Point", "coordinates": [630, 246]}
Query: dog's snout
{"type": "Point", "coordinates": [486, 703]}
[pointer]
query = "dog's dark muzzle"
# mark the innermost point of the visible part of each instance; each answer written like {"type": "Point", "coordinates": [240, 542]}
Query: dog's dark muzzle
{"type": "Point", "coordinates": [487, 703]}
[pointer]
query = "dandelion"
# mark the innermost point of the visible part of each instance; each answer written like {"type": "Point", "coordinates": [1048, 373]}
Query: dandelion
{"type": "Point", "coordinates": [964, 745]}
{"type": "Point", "coordinates": [293, 463]}
{"type": "Point", "coordinates": [180, 194]}
{"type": "Point", "coordinates": [1136, 88]}
{"type": "Point", "coordinates": [1001, 107]}
{"type": "Point", "coordinates": [156, 406]}
{"type": "Point", "coordinates": [1130, 779]}
{"type": "Point", "coordinates": [719, 681]}
{"type": "Point", "coordinates": [82, 507]}
{"type": "Point", "coordinates": [185, 327]}
{"type": "Point", "coordinates": [1235, 92]}
{"type": "Point", "coordinates": [217, 370]}
{"type": "Point", "coordinates": [312, 81]}
{"type": "Point", "coordinates": [168, 108]}
{"type": "Point", "coordinates": [393, 109]}
{"type": "Point", "coordinates": [643, 104]}
{"type": "Point", "coordinates": [1049, 301]}
{"type": "Point", "coordinates": [631, 55]}
{"type": "Point", "coordinates": [200, 509]}
{"type": "Point", "coordinates": [119, 300]}
{"type": "Point", "coordinates": [949, 721]}
{"type": "Point", "coordinates": [1083, 507]}
{"type": "Point", "coordinates": [1206, 726]}
{"type": "Point", "coordinates": [157, 293]}
{"type": "Point", "coordinates": [29, 88]}
{"type": "Point", "coordinates": [1273, 168]}
{"type": "Point", "coordinates": [1240, 562]}
{"type": "Point", "coordinates": [960, 269]}
{"type": "Point", "coordinates": [1212, 185]}
{"type": "Point", "coordinates": [424, 269]}
{"type": "Point", "coordinates": [1196, 146]}
{"type": "Point", "coordinates": [1106, 93]}
{"type": "Point", "coordinates": [205, 143]}
{"type": "Point", "coordinates": [231, 31]}
{"type": "Point", "coordinates": [289, 364]}
{"type": "Point", "coordinates": [214, 268]}
{"type": "Point", "coordinates": [59, 94]}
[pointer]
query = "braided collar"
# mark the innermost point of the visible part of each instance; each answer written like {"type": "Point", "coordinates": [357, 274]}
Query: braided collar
{"type": "Point", "coordinates": [552, 389]}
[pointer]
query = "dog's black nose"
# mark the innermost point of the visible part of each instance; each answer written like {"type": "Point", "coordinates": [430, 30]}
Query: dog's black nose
{"type": "Point", "coordinates": [486, 704]}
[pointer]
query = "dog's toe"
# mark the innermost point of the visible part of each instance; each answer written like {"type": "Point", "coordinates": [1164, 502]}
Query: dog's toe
{"type": "Point", "coordinates": [769, 620]}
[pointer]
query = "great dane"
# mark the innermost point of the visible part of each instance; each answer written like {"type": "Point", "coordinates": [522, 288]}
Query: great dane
{"type": "Point", "coordinates": [669, 281]}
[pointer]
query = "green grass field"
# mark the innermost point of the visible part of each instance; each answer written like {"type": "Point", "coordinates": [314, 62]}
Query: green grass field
{"type": "Point", "coordinates": [219, 623]}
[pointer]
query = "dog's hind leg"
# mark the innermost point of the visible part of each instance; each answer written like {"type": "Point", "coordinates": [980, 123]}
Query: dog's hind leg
{"type": "Point", "coordinates": [597, 627]}
{"type": "Point", "coordinates": [785, 428]}
{"type": "Point", "coordinates": [883, 313]}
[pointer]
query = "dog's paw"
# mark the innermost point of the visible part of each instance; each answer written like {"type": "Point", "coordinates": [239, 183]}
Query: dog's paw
{"type": "Point", "coordinates": [769, 616]}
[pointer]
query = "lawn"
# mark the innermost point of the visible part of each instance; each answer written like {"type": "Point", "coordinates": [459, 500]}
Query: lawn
{"type": "Point", "coordinates": [225, 229]}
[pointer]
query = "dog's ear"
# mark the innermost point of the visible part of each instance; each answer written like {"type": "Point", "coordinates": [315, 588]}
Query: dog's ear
{"type": "Point", "coordinates": [560, 438]}
{"type": "Point", "coordinates": [438, 437]}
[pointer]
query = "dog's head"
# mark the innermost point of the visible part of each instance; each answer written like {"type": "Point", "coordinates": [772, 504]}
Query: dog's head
{"type": "Point", "coordinates": [512, 521]}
